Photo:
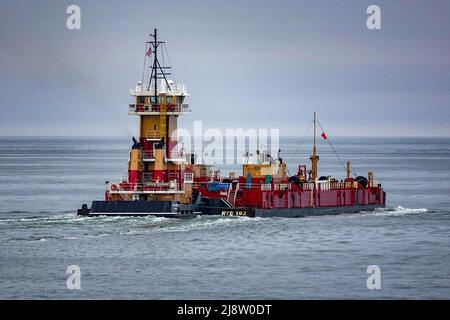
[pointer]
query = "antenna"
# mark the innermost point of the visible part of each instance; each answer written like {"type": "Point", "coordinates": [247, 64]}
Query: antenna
{"type": "Point", "coordinates": [158, 71]}
{"type": "Point", "coordinates": [314, 157]}
{"type": "Point", "coordinates": [314, 146]}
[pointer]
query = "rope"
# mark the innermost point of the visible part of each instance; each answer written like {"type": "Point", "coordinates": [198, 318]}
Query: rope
{"type": "Point", "coordinates": [334, 150]}
{"type": "Point", "coordinates": [162, 55]}
{"type": "Point", "coordinates": [170, 63]}
{"type": "Point", "coordinates": [306, 133]}
{"type": "Point", "coordinates": [145, 62]}
{"type": "Point", "coordinates": [301, 143]}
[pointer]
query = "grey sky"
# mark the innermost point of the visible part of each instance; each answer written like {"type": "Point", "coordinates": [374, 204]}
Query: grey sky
{"type": "Point", "coordinates": [260, 64]}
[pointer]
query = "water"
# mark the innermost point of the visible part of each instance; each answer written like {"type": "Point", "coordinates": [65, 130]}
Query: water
{"type": "Point", "coordinates": [43, 181]}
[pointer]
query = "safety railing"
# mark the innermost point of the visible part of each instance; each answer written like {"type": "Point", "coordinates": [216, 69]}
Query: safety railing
{"type": "Point", "coordinates": [340, 185]}
{"type": "Point", "coordinates": [176, 155]}
{"type": "Point", "coordinates": [266, 187]}
{"type": "Point", "coordinates": [329, 185]}
{"type": "Point", "coordinates": [308, 186]}
{"type": "Point", "coordinates": [153, 135]}
{"type": "Point", "coordinates": [156, 108]}
{"type": "Point", "coordinates": [148, 155]}
{"type": "Point", "coordinates": [282, 186]}
{"type": "Point", "coordinates": [146, 187]}
{"type": "Point", "coordinates": [188, 177]}
{"type": "Point", "coordinates": [173, 175]}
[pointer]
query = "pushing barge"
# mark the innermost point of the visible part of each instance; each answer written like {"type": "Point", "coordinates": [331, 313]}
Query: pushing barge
{"type": "Point", "coordinates": [165, 181]}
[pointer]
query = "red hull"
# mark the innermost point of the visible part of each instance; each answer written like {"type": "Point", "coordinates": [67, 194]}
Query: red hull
{"type": "Point", "coordinates": [288, 195]}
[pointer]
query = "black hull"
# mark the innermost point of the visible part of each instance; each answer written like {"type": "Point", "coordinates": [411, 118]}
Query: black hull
{"type": "Point", "coordinates": [165, 209]}
{"type": "Point", "coordinates": [169, 209]}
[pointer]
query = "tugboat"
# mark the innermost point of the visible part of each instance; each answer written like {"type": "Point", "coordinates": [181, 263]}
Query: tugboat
{"type": "Point", "coordinates": [164, 181]}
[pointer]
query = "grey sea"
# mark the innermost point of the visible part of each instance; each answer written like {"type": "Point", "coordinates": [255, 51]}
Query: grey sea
{"type": "Point", "coordinates": [44, 180]}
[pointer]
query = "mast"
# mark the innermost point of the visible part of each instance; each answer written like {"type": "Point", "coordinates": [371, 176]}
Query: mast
{"type": "Point", "coordinates": [314, 147]}
{"type": "Point", "coordinates": [314, 157]}
{"type": "Point", "coordinates": [158, 71]}
{"type": "Point", "coordinates": [155, 61]}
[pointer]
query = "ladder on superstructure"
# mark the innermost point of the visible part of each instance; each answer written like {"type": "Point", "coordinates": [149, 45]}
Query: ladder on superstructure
{"type": "Point", "coordinates": [162, 119]}
{"type": "Point", "coordinates": [232, 193]}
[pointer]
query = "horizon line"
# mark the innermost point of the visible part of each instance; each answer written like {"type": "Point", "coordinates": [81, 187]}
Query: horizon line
{"type": "Point", "coordinates": [284, 136]}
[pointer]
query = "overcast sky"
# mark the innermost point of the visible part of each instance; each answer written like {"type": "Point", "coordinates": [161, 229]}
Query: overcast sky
{"type": "Point", "coordinates": [259, 64]}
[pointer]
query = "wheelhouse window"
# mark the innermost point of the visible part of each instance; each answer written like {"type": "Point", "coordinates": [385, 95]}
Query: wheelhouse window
{"type": "Point", "coordinates": [180, 99]}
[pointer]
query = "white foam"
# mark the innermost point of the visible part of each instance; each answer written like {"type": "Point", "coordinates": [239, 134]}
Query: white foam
{"type": "Point", "coordinates": [398, 211]}
{"type": "Point", "coordinates": [198, 223]}
{"type": "Point", "coordinates": [408, 210]}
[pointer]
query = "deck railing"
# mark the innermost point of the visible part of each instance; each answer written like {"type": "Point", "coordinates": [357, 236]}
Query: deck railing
{"type": "Point", "coordinates": [173, 155]}
{"type": "Point", "coordinates": [156, 108]}
{"type": "Point", "coordinates": [148, 186]}
{"type": "Point", "coordinates": [153, 135]}
{"type": "Point", "coordinates": [148, 155]}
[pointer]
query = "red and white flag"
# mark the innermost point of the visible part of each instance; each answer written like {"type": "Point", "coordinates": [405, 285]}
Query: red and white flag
{"type": "Point", "coordinates": [324, 136]}
{"type": "Point", "coordinates": [149, 52]}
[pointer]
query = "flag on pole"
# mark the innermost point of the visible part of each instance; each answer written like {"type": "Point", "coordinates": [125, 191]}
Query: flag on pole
{"type": "Point", "coordinates": [324, 136]}
{"type": "Point", "coordinates": [149, 52]}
